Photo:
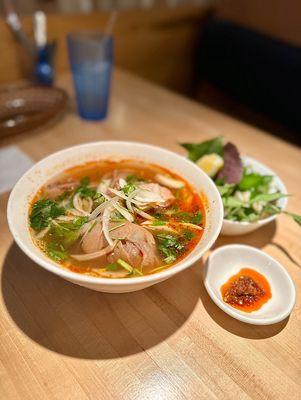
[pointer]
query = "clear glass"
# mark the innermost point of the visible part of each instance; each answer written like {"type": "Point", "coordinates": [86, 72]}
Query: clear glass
{"type": "Point", "coordinates": [91, 61]}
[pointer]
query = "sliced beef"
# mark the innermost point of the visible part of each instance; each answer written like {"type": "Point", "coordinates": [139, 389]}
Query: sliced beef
{"type": "Point", "coordinates": [167, 197]}
{"type": "Point", "coordinates": [94, 240]}
{"type": "Point", "coordinates": [115, 175]}
{"type": "Point", "coordinates": [137, 246]}
{"type": "Point", "coordinates": [54, 190]}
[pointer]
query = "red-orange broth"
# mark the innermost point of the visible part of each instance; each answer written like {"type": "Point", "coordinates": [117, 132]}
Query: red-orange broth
{"type": "Point", "coordinates": [117, 219]}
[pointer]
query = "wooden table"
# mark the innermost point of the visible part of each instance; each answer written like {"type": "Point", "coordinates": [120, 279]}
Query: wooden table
{"type": "Point", "coordinates": [60, 341]}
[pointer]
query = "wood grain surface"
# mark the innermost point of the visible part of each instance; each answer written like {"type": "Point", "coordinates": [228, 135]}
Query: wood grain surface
{"type": "Point", "coordinates": [61, 341]}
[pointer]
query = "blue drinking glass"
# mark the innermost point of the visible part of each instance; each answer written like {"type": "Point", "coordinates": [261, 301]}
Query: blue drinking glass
{"type": "Point", "coordinates": [91, 60]}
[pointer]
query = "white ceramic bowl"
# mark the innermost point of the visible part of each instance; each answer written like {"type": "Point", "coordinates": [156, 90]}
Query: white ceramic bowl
{"type": "Point", "coordinates": [231, 228]}
{"type": "Point", "coordinates": [31, 181]}
{"type": "Point", "coordinates": [227, 261]}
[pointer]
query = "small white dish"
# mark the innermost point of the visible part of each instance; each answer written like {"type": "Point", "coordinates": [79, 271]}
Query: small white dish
{"type": "Point", "coordinates": [231, 228]}
{"type": "Point", "coordinates": [227, 261]}
{"type": "Point", "coordinates": [26, 188]}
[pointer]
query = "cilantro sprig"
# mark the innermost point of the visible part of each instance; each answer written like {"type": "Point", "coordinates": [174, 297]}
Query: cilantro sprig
{"type": "Point", "coordinates": [84, 190]}
{"type": "Point", "coordinates": [42, 212]}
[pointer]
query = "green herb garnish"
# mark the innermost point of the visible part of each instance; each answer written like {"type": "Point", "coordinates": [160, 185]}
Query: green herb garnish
{"type": "Point", "coordinates": [132, 178]}
{"type": "Point", "coordinates": [169, 246]}
{"type": "Point", "coordinates": [188, 235]}
{"type": "Point", "coordinates": [192, 218]}
{"type": "Point", "coordinates": [198, 150]}
{"type": "Point", "coordinates": [98, 199]}
{"type": "Point", "coordinates": [84, 190]}
{"type": "Point", "coordinates": [112, 267]}
{"type": "Point", "coordinates": [67, 233]}
{"type": "Point", "coordinates": [42, 212]}
{"type": "Point", "coordinates": [64, 195]}
{"type": "Point", "coordinates": [296, 217]}
{"type": "Point", "coordinates": [128, 188]}
{"type": "Point", "coordinates": [56, 251]}
{"type": "Point", "coordinates": [158, 223]}
{"type": "Point", "coordinates": [125, 265]}
{"type": "Point", "coordinates": [247, 201]}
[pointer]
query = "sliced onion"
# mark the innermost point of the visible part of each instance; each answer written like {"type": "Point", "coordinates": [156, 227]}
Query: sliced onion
{"type": "Point", "coordinates": [105, 224]}
{"type": "Point", "coordinates": [118, 193]}
{"type": "Point", "coordinates": [124, 197]}
{"type": "Point", "coordinates": [140, 204]}
{"type": "Point", "coordinates": [101, 207]}
{"type": "Point", "coordinates": [97, 210]}
{"type": "Point", "coordinates": [144, 207]}
{"type": "Point", "coordinates": [124, 212]}
{"type": "Point", "coordinates": [96, 254]}
{"type": "Point", "coordinates": [169, 182]}
{"type": "Point", "coordinates": [122, 183]}
{"type": "Point", "coordinates": [129, 200]}
{"type": "Point", "coordinates": [143, 214]}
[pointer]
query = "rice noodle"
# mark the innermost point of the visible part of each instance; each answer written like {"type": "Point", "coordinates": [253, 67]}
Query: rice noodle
{"type": "Point", "coordinates": [78, 204]}
{"type": "Point", "coordinates": [96, 254]}
{"type": "Point", "coordinates": [143, 214]}
{"type": "Point", "coordinates": [114, 274]}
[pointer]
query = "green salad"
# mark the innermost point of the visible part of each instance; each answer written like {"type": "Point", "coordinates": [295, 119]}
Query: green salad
{"type": "Point", "coordinates": [247, 195]}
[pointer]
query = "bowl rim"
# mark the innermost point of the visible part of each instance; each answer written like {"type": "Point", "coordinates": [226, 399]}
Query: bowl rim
{"type": "Point", "coordinates": [80, 278]}
{"type": "Point", "coordinates": [231, 310]}
{"type": "Point", "coordinates": [282, 187]}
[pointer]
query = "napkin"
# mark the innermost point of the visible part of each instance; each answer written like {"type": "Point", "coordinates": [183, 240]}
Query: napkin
{"type": "Point", "coordinates": [13, 164]}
